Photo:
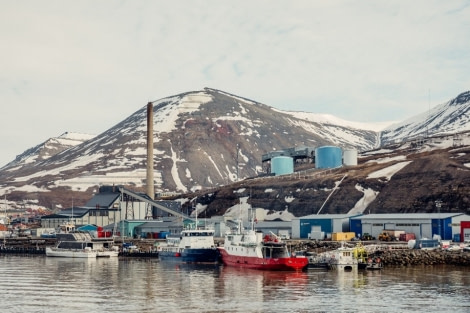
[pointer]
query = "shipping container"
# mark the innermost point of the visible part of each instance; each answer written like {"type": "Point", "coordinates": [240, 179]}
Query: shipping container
{"type": "Point", "coordinates": [407, 237]}
{"type": "Point", "coordinates": [343, 236]}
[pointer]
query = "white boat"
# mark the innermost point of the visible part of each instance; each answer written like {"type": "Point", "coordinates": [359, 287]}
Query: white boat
{"type": "Point", "coordinates": [71, 250]}
{"type": "Point", "coordinates": [82, 245]}
{"type": "Point", "coordinates": [342, 259]}
{"type": "Point", "coordinates": [191, 246]}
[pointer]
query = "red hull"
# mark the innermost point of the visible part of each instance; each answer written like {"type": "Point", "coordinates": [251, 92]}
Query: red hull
{"type": "Point", "coordinates": [274, 264]}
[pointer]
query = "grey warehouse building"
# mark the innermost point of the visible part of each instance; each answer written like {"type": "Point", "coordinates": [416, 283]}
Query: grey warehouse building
{"type": "Point", "coordinates": [423, 225]}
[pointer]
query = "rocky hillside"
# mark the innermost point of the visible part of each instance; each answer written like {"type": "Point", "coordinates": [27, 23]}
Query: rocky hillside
{"type": "Point", "coordinates": [403, 179]}
{"type": "Point", "coordinates": [212, 142]}
{"type": "Point", "coordinates": [199, 140]}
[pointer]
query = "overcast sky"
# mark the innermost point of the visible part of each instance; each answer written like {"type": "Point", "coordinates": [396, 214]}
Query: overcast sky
{"type": "Point", "coordinates": [83, 66]}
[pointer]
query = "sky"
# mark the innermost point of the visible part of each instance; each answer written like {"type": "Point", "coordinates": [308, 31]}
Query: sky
{"type": "Point", "coordinates": [84, 66]}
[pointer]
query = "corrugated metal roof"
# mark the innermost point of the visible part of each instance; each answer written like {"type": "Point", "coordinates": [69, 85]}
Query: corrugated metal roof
{"type": "Point", "coordinates": [270, 224]}
{"type": "Point", "coordinates": [67, 213]}
{"type": "Point", "coordinates": [406, 216]}
{"type": "Point", "coordinates": [155, 224]}
{"type": "Point", "coordinates": [103, 200]}
{"type": "Point", "coordinates": [327, 216]}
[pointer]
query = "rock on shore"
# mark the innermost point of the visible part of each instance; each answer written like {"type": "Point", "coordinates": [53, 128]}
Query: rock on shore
{"type": "Point", "coordinates": [393, 257]}
{"type": "Point", "coordinates": [424, 257]}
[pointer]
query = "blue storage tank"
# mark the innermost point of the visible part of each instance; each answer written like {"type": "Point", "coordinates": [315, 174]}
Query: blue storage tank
{"type": "Point", "coordinates": [282, 165]}
{"type": "Point", "coordinates": [328, 157]}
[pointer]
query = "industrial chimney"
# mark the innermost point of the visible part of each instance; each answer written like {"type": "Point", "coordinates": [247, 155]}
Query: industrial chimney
{"type": "Point", "coordinates": [150, 187]}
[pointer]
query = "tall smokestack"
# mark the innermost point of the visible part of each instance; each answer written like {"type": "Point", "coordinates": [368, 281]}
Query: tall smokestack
{"type": "Point", "coordinates": [150, 187]}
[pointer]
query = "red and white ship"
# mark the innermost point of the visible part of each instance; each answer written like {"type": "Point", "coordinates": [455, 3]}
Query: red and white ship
{"type": "Point", "coordinates": [250, 249]}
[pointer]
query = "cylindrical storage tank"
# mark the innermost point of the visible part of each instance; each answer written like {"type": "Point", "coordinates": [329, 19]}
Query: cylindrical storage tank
{"type": "Point", "coordinates": [328, 157]}
{"type": "Point", "coordinates": [350, 157]}
{"type": "Point", "coordinates": [282, 165]}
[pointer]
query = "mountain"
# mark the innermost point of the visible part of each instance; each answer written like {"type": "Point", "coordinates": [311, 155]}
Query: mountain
{"type": "Point", "coordinates": [209, 144]}
{"type": "Point", "coordinates": [49, 148]}
{"type": "Point", "coordinates": [448, 118]}
{"type": "Point", "coordinates": [196, 135]}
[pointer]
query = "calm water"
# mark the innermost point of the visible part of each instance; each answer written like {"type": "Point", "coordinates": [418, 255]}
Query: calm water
{"type": "Point", "coordinates": [41, 284]}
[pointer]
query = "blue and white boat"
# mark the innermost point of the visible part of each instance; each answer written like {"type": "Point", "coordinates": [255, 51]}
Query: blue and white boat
{"type": "Point", "coordinates": [191, 246]}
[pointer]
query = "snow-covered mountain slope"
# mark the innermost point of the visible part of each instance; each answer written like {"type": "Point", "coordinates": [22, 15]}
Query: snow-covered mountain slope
{"type": "Point", "coordinates": [195, 145]}
{"type": "Point", "coordinates": [48, 148]}
{"type": "Point", "coordinates": [448, 118]}
{"type": "Point", "coordinates": [210, 138]}
{"type": "Point", "coordinates": [328, 119]}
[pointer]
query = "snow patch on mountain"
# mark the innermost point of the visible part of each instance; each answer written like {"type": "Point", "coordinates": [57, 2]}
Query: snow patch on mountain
{"type": "Point", "coordinates": [389, 171]}
{"type": "Point", "coordinates": [363, 203]}
{"type": "Point", "coordinates": [388, 159]}
{"type": "Point", "coordinates": [333, 120]}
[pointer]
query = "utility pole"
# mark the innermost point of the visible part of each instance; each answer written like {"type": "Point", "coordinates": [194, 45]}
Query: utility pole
{"type": "Point", "coordinates": [238, 175]}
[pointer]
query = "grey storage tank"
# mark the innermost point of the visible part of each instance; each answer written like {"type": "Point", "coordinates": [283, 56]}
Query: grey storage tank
{"type": "Point", "coordinates": [350, 157]}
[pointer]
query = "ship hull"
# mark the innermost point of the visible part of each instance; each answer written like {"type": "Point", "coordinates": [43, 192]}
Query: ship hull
{"type": "Point", "coordinates": [70, 253]}
{"type": "Point", "coordinates": [204, 256]}
{"type": "Point", "coordinates": [269, 264]}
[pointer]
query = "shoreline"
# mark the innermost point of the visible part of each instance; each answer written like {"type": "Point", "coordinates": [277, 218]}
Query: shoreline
{"type": "Point", "coordinates": [392, 254]}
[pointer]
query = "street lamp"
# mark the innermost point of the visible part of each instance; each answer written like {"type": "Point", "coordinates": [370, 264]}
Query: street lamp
{"type": "Point", "coordinates": [438, 206]}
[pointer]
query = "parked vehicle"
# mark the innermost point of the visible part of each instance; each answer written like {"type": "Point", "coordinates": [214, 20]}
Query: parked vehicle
{"type": "Point", "coordinates": [367, 236]}
{"type": "Point", "coordinates": [390, 234]}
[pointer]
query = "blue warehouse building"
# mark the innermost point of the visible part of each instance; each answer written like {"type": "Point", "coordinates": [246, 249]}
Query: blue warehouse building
{"type": "Point", "coordinates": [320, 226]}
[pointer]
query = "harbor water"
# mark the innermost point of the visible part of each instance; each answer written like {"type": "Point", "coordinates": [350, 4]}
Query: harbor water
{"type": "Point", "coordinates": [42, 284]}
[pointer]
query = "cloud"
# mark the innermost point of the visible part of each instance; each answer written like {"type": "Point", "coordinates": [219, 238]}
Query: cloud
{"type": "Point", "coordinates": [86, 65]}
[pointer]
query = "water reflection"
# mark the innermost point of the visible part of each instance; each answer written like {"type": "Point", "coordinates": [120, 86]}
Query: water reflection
{"type": "Point", "coordinates": [40, 284]}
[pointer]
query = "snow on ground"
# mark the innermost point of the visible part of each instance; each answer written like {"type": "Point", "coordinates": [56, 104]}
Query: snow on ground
{"type": "Point", "coordinates": [198, 209]}
{"type": "Point", "coordinates": [166, 116]}
{"type": "Point", "coordinates": [388, 159]}
{"type": "Point", "coordinates": [289, 199]}
{"type": "Point", "coordinates": [174, 172]}
{"type": "Point", "coordinates": [380, 151]}
{"type": "Point", "coordinates": [363, 203]}
{"type": "Point", "coordinates": [389, 171]}
{"type": "Point", "coordinates": [330, 119]}
{"type": "Point", "coordinates": [78, 163]}
{"type": "Point", "coordinates": [467, 164]}
{"type": "Point", "coordinates": [244, 210]}
{"type": "Point", "coordinates": [30, 188]}
{"type": "Point", "coordinates": [81, 183]}
{"type": "Point", "coordinates": [240, 210]}
{"type": "Point", "coordinates": [282, 215]}
{"type": "Point", "coordinates": [213, 163]}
